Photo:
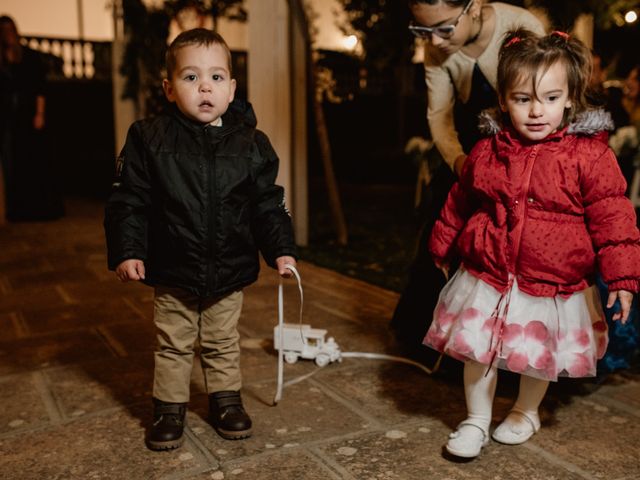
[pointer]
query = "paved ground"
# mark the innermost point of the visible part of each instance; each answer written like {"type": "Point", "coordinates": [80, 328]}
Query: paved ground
{"type": "Point", "coordinates": [75, 375]}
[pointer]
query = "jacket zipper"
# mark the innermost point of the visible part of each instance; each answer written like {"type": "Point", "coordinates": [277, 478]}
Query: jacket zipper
{"type": "Point", "coordinates": [211, 196]}
{"type": "Point", "coordinates": [523, 200]}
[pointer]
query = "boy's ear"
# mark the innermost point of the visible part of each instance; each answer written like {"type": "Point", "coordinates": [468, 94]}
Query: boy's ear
{"type": "Point", "coordinates": [233, 90]}
{"type": "Point", "coordinates": [168, 90]}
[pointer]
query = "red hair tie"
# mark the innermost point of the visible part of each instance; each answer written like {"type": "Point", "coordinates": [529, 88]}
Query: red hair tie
{"type": "Point", "coordinates": [513, 41]}
{"type": "Point", "coordinates": [564, 35]}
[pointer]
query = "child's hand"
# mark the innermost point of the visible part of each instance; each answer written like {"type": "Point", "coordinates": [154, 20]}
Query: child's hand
{"type": "Point", "coordinates": [280, 265]}
{"type": "Point", "coordinates": [625, 298]}
{"type": "Point", "coordinates": [131, 269]}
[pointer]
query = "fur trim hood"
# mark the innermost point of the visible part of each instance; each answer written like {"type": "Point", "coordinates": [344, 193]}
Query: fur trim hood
{"type": "Point", "coordinates": [589, 122]}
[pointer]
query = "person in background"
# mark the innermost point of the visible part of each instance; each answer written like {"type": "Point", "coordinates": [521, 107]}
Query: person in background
{"type": "Point", "coordinates": [631, 98]}
{"type": "Point", "coordinates": [31, 192]}
{"type": "Point", "coordinates": [539, 204]}
{"type": "Point", "coordinates": [624, 339]}
{"type": "Point", "coordinates": [461, 40]}
{"type": "Point", "coordinates": [194, 202]}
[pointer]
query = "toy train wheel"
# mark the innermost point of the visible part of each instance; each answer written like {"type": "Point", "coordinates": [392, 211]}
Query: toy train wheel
{"type": "Point", "coordinates": [290, 357]}
{"type": "Point", "coordinates": [322, 360]}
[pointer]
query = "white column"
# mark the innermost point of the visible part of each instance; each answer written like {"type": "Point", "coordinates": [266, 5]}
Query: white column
{"type": "Point", "coordinates": [299, 134]}
{"type": "Point", "coordinates": [271, 92]}
{"type": "Point", "coordinates": [269, 77]}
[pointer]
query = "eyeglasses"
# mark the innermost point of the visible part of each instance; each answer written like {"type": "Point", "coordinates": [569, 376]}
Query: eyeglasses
{"type": "Point", "coordinates": [442, 31]}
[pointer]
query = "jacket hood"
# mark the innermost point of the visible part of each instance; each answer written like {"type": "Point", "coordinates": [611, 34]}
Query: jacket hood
{"type": "Point", "coordinates": [242, 112]}
{"type": "Point", "coordinates": [589, 122]}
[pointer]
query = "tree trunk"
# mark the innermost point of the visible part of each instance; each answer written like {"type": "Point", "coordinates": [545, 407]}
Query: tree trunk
{"type": "Point", "coordinates": [329, 175]}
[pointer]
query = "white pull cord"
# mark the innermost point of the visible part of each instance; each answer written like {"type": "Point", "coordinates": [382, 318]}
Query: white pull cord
{"type": "Point", "coordinates": [280, 385]}
{"type": "Point", "coordinates": [383, 356]}
{"type": "Point", "coordinates": [374, 356]}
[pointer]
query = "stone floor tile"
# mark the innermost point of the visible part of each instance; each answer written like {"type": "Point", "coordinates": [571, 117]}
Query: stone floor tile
{"type": "Point", "coordinates": [39, 278]}
{"type": "Point", "coordinates": [292, 463]}
{"type": "Point", "coordinates": [107, 446]}
{"type": "Point", "coordinates": [42, 319]}
{"type": "Point", "coordinates": [415, 451]}
{"type": "Point", "coordinates": [392, 392]}
{"type": "Point", "coordinates": [22, 403]}
{"type": "Point", "coordinates": [11, 300]}
{"type": "Point", "coordinates": [624, 389]}
{"type": "Point", "coordinates": [132, 337]}
{"type": "Point", "coordinates": [94, 290]}
{"type": "Point", "coordinates": [12, 325]}
{"type": "Point", "coordinates": [52, 350]}
{"type": "Point", "coordinates": [306, 414]}
{"type": "Point", "coordinates": [593, 436]}
{"type": "Point", "coordinates": [80, 390]}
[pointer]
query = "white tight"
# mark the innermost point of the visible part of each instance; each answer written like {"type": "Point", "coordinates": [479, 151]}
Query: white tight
{"type": "Point", "coordinates": [480, 388]}
{"type": "Point", "coordinates": [531, 393]}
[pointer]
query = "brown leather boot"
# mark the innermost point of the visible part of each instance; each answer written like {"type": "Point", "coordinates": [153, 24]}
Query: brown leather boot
{"type": "Point", "coordinates": [167, 431]}
{"type": "Point", "coordinates": [227, 415]}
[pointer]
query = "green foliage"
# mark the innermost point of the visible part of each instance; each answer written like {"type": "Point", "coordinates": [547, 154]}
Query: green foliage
{"type": "Point", "coordinates": [606, 13]}
{"type": "Point", "coordinates": [147, 32]}
{"type": "Point", "coordinates": [381, 26]}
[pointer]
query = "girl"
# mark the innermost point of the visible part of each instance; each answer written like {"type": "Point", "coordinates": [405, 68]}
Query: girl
{"type": "Point", "coordinates": [536, 206]}
{"type": "Point", "coordinates": [461, 40]}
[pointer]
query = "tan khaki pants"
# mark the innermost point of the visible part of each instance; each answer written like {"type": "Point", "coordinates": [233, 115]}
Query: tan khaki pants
{"type": "Point", "coordinates": [181, 318]}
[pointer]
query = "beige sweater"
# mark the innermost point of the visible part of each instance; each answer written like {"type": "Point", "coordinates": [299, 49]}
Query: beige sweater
{"type": "Point", "coordinates": [448, 75]}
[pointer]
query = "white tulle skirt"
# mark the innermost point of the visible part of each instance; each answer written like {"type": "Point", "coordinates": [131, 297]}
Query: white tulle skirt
{"type": "Point", "coordinates": [543, 337]}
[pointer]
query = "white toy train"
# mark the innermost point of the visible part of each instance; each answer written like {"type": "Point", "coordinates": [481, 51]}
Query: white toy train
{"type": "Point", "coordinates": [302, 341]}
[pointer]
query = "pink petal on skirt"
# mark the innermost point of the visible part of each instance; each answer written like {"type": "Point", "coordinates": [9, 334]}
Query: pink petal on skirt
{"type": "Point", "coordinates": [517, 361]}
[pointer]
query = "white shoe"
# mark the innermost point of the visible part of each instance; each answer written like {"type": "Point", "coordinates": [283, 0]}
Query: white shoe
{"type": "Point", "coordinates": [467, 440]}
{"type": "Point", "coordinates": [517, 428]}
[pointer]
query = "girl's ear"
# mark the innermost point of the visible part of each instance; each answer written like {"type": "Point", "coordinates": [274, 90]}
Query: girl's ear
{"type": "Point", "coordinates": [503, 107]}
{"type": "Point", "coordinates": [568, 104]}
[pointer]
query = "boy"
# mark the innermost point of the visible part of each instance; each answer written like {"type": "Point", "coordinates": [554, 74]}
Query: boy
{"type": "Point", "coordinates": [194, 201]}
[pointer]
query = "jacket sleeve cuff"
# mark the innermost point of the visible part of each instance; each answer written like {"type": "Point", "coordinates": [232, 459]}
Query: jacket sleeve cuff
{"type": "Point", "coordinates": [630, 285]}
{"type": "Point", "coordinates": [270, 258]}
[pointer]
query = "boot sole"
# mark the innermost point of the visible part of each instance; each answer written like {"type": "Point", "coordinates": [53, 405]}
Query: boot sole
{"type": "Point", "coordinates": [233, 435]}
{"type": "Point", "coordinates": [171, 445]}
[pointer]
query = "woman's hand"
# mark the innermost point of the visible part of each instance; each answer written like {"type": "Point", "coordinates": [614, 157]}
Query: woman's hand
{"type": "Point", "coordinates": [458, 164]}
{"type": "Point", "coordinates": [38, 121]}
{"type": "Point", "coordinates": [444, 268]}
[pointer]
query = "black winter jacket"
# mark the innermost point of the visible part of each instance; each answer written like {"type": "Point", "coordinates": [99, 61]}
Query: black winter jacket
{"type": "Point", "coordinates": [195, 203]}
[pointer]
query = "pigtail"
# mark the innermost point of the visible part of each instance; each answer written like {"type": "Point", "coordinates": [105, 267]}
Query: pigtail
{"type": "Point", "coordinates": [513, 56]}
{"type": "Point", "coordinates": [513, 37]}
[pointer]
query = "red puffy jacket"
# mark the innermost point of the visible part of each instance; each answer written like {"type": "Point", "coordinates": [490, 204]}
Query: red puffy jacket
{"type": "Point", "coordinates": [544, 212]}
